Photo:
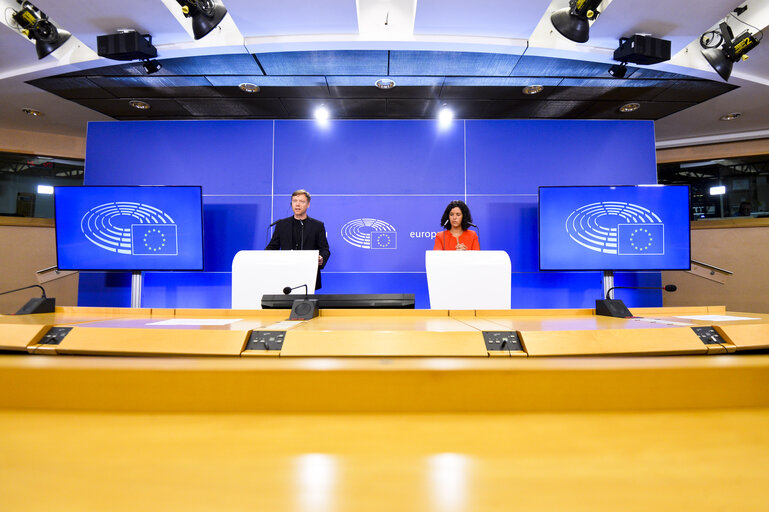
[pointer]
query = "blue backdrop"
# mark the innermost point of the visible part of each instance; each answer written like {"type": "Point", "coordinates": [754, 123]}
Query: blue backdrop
{"type": "Point", "coordinates": [396, 175]}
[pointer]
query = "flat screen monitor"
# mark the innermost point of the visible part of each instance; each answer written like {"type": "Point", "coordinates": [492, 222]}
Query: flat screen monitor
{"type": "Point", "coordinates": [643, 227]}
{"type": "Point", "coordinates": [129, 228]}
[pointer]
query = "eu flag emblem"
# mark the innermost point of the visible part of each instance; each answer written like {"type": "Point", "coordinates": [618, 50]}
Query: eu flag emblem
{"type": "Point", "coordinates": [154, 239]}
{"type": "Point", "coordinates": [384, 240]}
{"type": "Point", "coordinates": [638, 239]}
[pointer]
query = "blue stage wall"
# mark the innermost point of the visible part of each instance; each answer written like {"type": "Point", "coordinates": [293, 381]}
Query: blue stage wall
{"type": "Point", "coordinates": [402, 173]}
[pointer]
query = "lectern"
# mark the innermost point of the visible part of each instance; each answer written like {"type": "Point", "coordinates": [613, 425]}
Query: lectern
{"type": "Point", "coordinates": [257, 273]}
{"type": "Point", "coordinates": [468, 279]}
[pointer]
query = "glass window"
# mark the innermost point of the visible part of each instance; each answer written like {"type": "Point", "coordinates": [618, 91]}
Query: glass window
{"type": "Point", "coordinates": [733, 187]}
{"type": "Point", "coordinates": [27, 181]}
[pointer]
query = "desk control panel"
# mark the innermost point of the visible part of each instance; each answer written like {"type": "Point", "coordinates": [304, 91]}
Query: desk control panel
{"type": "Point", "coordinates": [502, 340]}
{"type": "Point", "coordinates": [266, 340]}
{"type": "Point", "coordinates": [54, 336]}
{"type": "Point", "coordinates": [709, 335]}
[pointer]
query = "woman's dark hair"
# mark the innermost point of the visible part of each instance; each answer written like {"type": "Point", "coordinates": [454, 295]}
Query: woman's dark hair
{"type": "Point", "coordinates": [467, 219]}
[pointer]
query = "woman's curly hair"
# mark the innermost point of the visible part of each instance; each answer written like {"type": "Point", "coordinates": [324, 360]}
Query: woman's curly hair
{"type": "Point", "coordinates": [467, 218]}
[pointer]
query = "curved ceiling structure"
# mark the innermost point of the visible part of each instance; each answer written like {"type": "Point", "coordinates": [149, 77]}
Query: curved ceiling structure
{"type": "Point", "coordinates": [475, 56]}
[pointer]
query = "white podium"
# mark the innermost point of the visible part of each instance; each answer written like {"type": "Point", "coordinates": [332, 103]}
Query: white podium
{"type": "Point", "coordinates": [468, 279]}
{"type": "Point", "coordinates": [257, 273]}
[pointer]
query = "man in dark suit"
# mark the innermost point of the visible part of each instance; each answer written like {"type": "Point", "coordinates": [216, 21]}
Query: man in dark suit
{"type": "Point", "coordinates": [301, 232]}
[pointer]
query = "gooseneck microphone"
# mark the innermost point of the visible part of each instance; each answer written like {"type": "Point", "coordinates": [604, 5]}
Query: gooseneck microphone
{"type": "Point", "coordinates": [667, 288]}
{"type": "Point", "coordinates": [444, 234]}
{"type": "Point", "coordinates": [26, 288]}
{"type": "Point", "coordinates": [477, 232]}
{"type": "Point", "coordinates": [287, 290]}
{"type": "Point", "coordinates": [42, 305]}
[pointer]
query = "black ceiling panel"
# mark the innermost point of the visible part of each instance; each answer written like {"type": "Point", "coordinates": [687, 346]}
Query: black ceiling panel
{"type": "Point", "coordinates": [413, 109]}
{"type": "Point", "coordinates": [694, 90]}
{"type": "Point", "coordinates": [227, 107]}
{"type": "Point", "coordinates": [271, 86]}
{"type": "Point", "coordinates": [74, 87]}
{"type": "Point", "coordinates": [546, 66]}
{"type": "Point", "coordinates": [156, 86]}
{"type": "Point", "coordinates": [374, 93]}
{"type": "Point", "coordinates": [346, 108]}
{"type": "Point", "coordinates": [476, 85]}
{"type": "Point", "coordinates": [120, 108]}
{"type": "Point", "coordinates": [340, 62]}
{"type": "Point", "coordinates": [648, 110]}
{"type": "Point", "coordinates": [232, 64]}
{"type": "Point", "coordinates": [451, 63]}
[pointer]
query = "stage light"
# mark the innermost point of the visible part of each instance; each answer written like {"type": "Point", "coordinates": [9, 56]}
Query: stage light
{"type": "Point", "coordinates": [322, 114]}
{"type": "Point", "coordinates": [618, 71]}
{"type": "Point", "coordinates": [205, 14]}
{"type": "Point", "coordinates": [151, 66]}
{"type": "Point", "coordinates": [718, 191]}
{"type": "Point", "coordinates": [573, 22]}
{"type": "Point", "coordinates": [45, 189]}
{"type": "Point", "coordinates": [732, 48]}
{"type": "Point", "coordinates": [445, 116]}
{"type": "Point", "coordinates": [36, 26]}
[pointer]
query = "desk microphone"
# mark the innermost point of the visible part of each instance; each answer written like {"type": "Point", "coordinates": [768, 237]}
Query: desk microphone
{"type": "Point", "coordinates": [42, 305]}
{"type": "Point", "coordinates": [302, 309]}
{"type": "Point", "coordinates": [616, 308]}
{"type": "Point", "coordinates": [274, 223]}
{"type": "Point", "coordinates": [667, 288]}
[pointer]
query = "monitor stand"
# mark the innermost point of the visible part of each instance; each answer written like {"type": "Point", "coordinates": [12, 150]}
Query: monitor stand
{"type": "Point", "coordinates": [136, 289]}
{"type": "Point", "coordinates": [608, 282]}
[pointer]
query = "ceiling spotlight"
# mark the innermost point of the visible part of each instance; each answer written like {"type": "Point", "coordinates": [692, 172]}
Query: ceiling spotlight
{"type": "Point", "coordinates": [205, 14]}
{"type": "Point", "coordinates": [732, 50]}
{"type": "Point", "coordinates": [629, 107]}
{"type": "Point", "coordinates": [248, 87]}
{"type": "Point", "coordinates": [138, 104]}
{"type": "Point", "coordinates": [445, 116]}
{"type": "Point", "coordinates": [532, 89]}
{"type": "Point", "coordinates": [618, 71]}
{"type": "Point", "coordinates": [322, 114]}
{"type": "Point", "coordinates": [32, 112]}
{"type": "Point", "coordinates": [151, 66]}
{"type": "Point", "coordinates": [36, 26]}
{"type": "Point", "coordinates": [573, 21]}
{"type": "Point", "coordinates": [385, 83]}
{"type": "Point", "coordinates": [730, 116]}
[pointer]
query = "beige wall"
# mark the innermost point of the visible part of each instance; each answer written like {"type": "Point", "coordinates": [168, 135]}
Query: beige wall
{"type": "Point", "coordinates": [737, 247]}
{"type": "Point", "coordinates": [37, 143]}
{"type": "Point", "coordinates": [23, 251]}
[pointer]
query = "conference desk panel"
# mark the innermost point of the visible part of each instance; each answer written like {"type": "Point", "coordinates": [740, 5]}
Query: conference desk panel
{"type": "Point", "coordinates": [384, 333]}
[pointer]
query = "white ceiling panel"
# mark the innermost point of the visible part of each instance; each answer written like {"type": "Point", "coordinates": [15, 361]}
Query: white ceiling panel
{"type": "Point", "coordinates": [292, 17]}
{"type": "Point", "coordinates": [488, 18]}
{"type": "Point", "coordinates": [87, 19]}
{"type": "Point", "coordinates": [15, 51]}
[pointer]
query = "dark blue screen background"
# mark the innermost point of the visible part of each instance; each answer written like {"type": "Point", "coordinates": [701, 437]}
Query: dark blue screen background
{"type": "Point", "coordinates": [400, 174]}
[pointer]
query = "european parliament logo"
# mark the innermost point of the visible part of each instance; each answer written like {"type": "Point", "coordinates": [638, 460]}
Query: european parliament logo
{"type": "Point", "coordinates": [125, 227]}
{"type": "Point", "coordinates": [370, 234]}
{"type": "Point", "coordinates": [615, 227]}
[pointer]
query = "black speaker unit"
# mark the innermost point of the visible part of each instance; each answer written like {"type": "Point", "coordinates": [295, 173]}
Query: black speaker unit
{"type": "Point", "coordinates": [126, 46]}
{"type": "Point", "coordinates": [642, 50]}
{"type": "Point", "coordinates": [304, 309]}
{"type": "Point", "coordinates": [612, 307]}
{"type": "Point", "coordinates": [39, 305]}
